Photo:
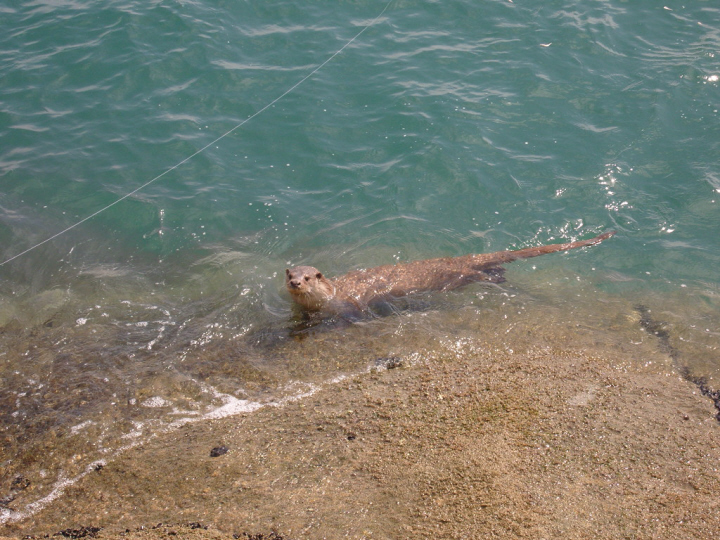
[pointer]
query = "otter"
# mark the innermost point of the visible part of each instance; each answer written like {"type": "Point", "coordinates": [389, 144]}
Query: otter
{"type": "Point", "coordinates": [358, 290]}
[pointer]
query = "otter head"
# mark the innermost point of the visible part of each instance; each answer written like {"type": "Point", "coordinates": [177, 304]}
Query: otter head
{"type": "Point", "coordinates": [308, 287]}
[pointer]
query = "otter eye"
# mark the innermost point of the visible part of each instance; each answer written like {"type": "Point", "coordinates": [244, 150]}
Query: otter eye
{"type": "Point", "coordinates": [307, 278]}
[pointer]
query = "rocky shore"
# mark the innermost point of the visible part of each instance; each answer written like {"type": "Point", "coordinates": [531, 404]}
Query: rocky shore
{"type": "Point", "coordinates": [542, 441]}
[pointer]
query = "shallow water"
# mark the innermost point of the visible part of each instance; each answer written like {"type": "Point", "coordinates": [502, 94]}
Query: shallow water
{"type": "Point", "coordinates": [445, 128]}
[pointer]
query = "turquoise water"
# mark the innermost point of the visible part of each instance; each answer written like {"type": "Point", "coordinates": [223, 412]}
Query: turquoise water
{"type": "Point", "coordinates": [445, 128]}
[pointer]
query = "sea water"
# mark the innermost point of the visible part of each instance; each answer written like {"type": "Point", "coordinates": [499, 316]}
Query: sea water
{"type": "Point", "coordinates": [162, 163]}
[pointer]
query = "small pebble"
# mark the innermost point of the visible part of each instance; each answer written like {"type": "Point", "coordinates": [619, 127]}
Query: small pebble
{"type": "Point", "coordinates": [218, 451]}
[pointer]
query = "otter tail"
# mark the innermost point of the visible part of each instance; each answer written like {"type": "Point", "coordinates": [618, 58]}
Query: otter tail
{"type": "Point", "coordinates": [509, 256]}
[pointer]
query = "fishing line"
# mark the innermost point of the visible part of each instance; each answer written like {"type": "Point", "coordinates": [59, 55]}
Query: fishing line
{"type": "Point", "coordinates": [191, 156]}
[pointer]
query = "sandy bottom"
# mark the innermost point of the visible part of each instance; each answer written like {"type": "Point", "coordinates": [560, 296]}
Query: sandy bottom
{"type": "Point", "coordinates": [561, 437]}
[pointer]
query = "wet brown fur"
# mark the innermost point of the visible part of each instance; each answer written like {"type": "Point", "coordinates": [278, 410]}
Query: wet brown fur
{"type": "Point", "coordinates": [357, 290]}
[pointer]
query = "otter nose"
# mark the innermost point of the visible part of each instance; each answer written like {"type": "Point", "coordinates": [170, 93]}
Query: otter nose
{"type": "Point", "coordinates": [295, 283]}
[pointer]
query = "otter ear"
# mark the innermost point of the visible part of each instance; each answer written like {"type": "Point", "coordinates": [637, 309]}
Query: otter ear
{"type": "Point", "coordinates": [287, 271]}
{"type": "Point", "coordinates": [319, 275]}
